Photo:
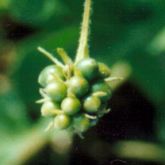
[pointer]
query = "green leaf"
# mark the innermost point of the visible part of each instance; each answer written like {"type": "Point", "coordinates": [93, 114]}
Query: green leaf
{"type": "Point", "coordinates": [13, 116]}
{"type": "Point", "coordinates": [35, 12]}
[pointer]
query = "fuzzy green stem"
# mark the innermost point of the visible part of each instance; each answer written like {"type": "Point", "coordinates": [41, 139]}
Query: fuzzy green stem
{"type": "Point", "coordinates": [62, 53]}
{"type": "Point", "coordinates": [50, 56]}
{"type": "Point", "coordinates": [83, 48]}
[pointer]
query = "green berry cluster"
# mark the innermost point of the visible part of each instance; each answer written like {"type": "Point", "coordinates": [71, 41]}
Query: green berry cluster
{"type": "Point", "coordinates": [75, 95]}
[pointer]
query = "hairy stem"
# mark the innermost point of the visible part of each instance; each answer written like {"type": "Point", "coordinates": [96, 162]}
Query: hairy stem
{"type": "Point", "coordinates": [50, 56]}
{"type": "Point", "coordinates": [83, 48]}
{"type": "Point", "coordinates": [64, 56]}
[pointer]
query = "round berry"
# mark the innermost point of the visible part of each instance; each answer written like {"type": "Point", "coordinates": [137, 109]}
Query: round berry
{"type": "Point", "coordinates": [62, 121]}
{"type": "Point", "coordinates": [78, 85]}
{"type": "Point", "coordinates": [47, 73]}
{"type": "Point", "coordinates": [89, 68]}
{"type": "Point", "coordinates": [102, 87]}
{"type": "Point", "coordinates": [81, 123]}
{"type": "Point", "coordinates": [56, 90]}
{"type": "Point", "coordinates": [104, 70]}
{"type": "Point", "coordinates": [48, 108]}
{"type": "Point", "coordinates": [70, 105]}
{"type": "Point", "coordinates": [92, 104]}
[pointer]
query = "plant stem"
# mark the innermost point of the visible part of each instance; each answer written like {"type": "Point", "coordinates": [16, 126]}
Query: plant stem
{"type": "Point", "coordinates": [65, 57]}
{"type": "Point", "coordinates": [50, 56]}
{"type": "Point", "coordinates": [83, 47]}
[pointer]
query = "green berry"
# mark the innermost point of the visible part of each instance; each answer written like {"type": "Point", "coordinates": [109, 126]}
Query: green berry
{"type": "Point", "coordinates": [48, 108]}
{"type": "Point", "coordinates": [56, 90]}
{"type": "Point", "coordinates": [70, 105]}
{"type": "Point", "coordinates": [92, 104]}
{"type": "Point", "coordinates": [102, 87]}
{"type": "Point", "coordinates": [81, 123]}
{"type": "Point", "coordinates": [62, 121]}
{"type": "Point", "coordinates": [89, 68]}
{"type": "Point", "coordinates": [104, 70]}
{"type": "Point", "coordinates": [47, 73]}
{"type": "Point", "coordinates": [78, 85]}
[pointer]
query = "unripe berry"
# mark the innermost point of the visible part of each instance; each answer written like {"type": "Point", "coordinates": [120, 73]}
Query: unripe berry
{"type": "Point", "coordinates": [62, 121]}
{"type": "Point", "coordinates": [102, 86]}
{"type": "Point", "coordinates": [92, 104]}
{"type": "Point", "coordinates": [104, 70]}
{"type": "Point", "coordinates": [47, 74]}
{"type": "Point", "coordinates": [89, 68]}
{"type": "Point", "coordinates": [70, 105]}
{"type": "Point", "coordinates": [48, 108]}
{"type": "Point", "coordinates": [78, 85]}
{"type": "Point", "coordinates": [56, 90]}
{"type": "Point", "coordinates": [81, 123]}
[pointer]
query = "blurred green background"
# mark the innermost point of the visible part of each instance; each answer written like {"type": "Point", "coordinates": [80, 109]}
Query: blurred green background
{"type": "Point", "coordinates": [129, 36]}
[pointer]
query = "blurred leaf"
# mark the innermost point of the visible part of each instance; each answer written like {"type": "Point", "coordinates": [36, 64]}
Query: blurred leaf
{"type": "Point", "coordinates": [157, 45]}
{"type": "Point", "coordinates": [147, 73]}
{"type": "Point", "coordinates": [140, 150]}
{"type": "Point", "coordinates": [35, 12]}
{"type": "Point", "coordinates": [16, 149]}
{"type": "Point", "coordinates": [13, 116]}
{"type": "Point", "coordinates": [4, 4]}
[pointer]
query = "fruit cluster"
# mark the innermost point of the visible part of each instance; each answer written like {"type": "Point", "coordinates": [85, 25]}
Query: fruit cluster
{"type": "Point", "coordinates": [75, 95]}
